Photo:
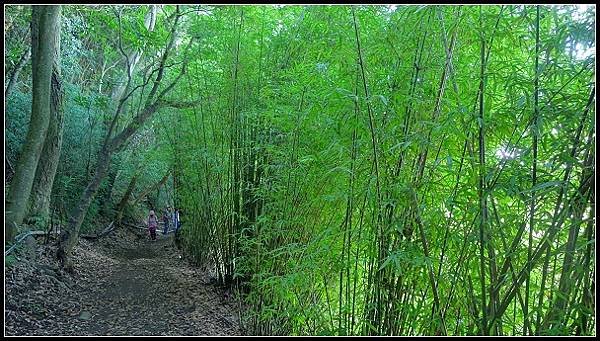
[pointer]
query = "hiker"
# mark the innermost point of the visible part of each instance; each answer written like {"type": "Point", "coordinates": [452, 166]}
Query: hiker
{"type": "Point", "coordinates": [177, 232]}
{"type": "Point", "coordinates": [166, 219]}
{"type": "Point", "coordinates": [176, 222]}
{"type": "Point", "coordinates": [152, 225]}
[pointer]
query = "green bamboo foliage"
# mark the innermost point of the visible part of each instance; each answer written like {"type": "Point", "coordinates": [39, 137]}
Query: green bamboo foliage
{"type": "Point", "coordinates": [371, 170]}
{"type": "Point", "coordinates": [338, 154]}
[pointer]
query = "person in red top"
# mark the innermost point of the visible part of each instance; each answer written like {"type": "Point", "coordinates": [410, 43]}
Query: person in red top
{"type": "Point", "coordinates": [152, 224]}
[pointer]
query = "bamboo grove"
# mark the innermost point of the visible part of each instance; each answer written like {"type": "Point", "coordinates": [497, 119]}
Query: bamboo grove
{"type": "Point", "coordinates": [377, 170]}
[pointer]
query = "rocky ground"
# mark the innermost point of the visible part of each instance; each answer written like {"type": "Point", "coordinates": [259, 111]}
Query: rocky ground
{"type": "Point", "coordinates": [123, 284]}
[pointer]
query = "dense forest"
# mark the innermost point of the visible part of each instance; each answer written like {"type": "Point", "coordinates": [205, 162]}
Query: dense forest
{"type": "Point", "coordinates": [343, 170]}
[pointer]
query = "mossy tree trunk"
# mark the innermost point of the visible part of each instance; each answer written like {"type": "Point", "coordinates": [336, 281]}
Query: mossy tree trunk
{"type": "Point", "coordinates": [45, 33]}
{"type": "Point", "coordinates": [39, 208]}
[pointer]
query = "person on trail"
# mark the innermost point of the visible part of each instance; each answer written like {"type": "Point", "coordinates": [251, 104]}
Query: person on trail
{"type": "Point", "coordinates": [166, 219]}
{"type": "Point", "coordinates": [178, 230]}
{"type": "Point", "coordinates": [176, 222]}
{"type": "Point", "coordinates": [152, 225]}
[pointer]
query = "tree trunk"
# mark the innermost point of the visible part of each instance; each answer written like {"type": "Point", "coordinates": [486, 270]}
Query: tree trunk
{"type": "Point", "coordinates": [106, 198]}
{"type": "Point", "coordinates": [532, 205]}
{"type": "Point", "coordinates": [558, 310]}
{"type": "Point", "coordinates": [482, 191]}
{"type": "Point", "coordinates": [15, 73]}
{"type": "Point", "coordinates": [46, 170]}
{"type": "Point", "coordinates": [125, 199]}
{"type": "Point", "coordinates": [45, 33]}
{"type": "Point", "coordinates": [133, 58]}
{"type": "Point", "coordinates": [9, 171]}
{"type": "Point", "coordinates": [70, 234]}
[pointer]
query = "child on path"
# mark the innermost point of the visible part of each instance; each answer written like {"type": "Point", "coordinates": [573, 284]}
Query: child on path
{"type": "Point", "coordinates": [152, 225]}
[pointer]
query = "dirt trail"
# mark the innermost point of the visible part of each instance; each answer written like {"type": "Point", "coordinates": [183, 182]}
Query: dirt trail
{"type": "Point", "coordinates": [124, 285]}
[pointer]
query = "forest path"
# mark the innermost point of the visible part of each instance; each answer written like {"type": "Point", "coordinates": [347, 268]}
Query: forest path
{"type": "Point", "coordinates": [129, 285]}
